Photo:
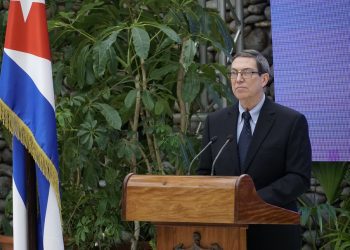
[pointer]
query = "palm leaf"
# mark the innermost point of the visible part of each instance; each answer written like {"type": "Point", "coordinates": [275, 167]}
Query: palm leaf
{"type": "Point", "coordinates": [330, 178]}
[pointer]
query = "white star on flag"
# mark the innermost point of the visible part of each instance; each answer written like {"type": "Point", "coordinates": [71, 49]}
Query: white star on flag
{"type": "Point", "coordinates": [26, 5]}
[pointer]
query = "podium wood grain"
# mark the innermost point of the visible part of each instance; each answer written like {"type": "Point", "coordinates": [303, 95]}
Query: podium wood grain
{"type": "Point", "coordinates": [169, 236]}
{"type": "Point", "coordinates": [220, 208]}
{"type": "Point", "coordinates": [199, 199]}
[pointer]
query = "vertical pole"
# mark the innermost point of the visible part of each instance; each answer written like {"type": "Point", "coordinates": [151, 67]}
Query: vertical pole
{"type": "Point", "coordinates": [240, 16]}
{"type": "Point", "coordinates": [222, 11]}
{"type": "Point", "coordinates": [32, 209]}
{"type": "Point", "coordinates": [222, 58]}
{"type": "Point", "coordinates": [203, 60]}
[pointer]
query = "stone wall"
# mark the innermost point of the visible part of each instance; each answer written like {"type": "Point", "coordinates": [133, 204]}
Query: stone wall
{"type": "Point", "coordinates": [5, 174]}
{"type": "Point", "coordinates": [257, 29]}
{"type": "Point", "coordinates": [257, 26]}
{"type": "Point", "coordinates": [5, 151]}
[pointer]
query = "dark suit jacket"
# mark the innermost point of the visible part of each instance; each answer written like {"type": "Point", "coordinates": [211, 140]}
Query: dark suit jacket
{"type": "Point", "coordinates": [278, 160]}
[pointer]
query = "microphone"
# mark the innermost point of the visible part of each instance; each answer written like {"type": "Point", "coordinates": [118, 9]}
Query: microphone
{"type": "Point", "coordinates": [212, 140]}
{"type": "Point", "coordinates": [229, 138]}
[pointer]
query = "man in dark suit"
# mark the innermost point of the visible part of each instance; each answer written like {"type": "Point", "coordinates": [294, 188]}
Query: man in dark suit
{"type": "Point", "coordinates": [270, 143]}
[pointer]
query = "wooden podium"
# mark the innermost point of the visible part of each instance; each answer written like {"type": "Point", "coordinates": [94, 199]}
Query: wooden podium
{"type": "Point", "coordinates": [199, 212]}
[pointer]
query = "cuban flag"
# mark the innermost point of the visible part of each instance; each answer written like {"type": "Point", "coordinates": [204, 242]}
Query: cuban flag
{"type": "Point", "coordinates": [27, 109]}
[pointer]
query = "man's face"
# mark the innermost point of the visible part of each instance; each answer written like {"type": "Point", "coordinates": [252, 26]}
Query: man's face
{"type": "Point", "coordinates": [248, 86]}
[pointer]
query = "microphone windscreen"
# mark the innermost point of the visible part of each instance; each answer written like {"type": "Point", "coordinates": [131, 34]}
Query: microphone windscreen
{"type": "Point", "coordinates": [214, 138]}
{"type": "Point", "coordinates": [229, 138]}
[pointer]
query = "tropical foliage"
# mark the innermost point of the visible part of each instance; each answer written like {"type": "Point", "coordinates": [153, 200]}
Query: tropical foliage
{"type": "Point", "coordinates": [328, 223]}
{"type": "Point", "coordinates": [122, 71]}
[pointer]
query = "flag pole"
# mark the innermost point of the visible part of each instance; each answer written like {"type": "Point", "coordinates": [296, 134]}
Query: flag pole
{"type": "Point", "coordinates": [32, 201]}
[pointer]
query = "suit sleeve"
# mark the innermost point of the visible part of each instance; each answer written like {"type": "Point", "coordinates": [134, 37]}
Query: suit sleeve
{"type": "Point", "coordinates": [297, 168]}
{"type": "Point", "coordinates": [206, 158]}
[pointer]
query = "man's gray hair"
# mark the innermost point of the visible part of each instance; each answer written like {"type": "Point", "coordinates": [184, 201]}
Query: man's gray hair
{"type": "Point", "coordinates": [261, 61]}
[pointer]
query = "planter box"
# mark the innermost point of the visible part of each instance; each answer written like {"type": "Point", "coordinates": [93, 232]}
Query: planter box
{"type": "Point", "coordinates": [6, 242]}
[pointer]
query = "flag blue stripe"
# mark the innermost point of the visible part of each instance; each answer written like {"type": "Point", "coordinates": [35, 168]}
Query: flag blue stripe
{"type": "Point", "coordinates": [23, 97]}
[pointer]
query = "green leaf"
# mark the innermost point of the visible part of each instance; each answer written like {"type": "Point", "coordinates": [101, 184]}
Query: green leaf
{"type": "Point", "coordinates": [82, 132]}
{"type": "Point", "coordinates": [147, 100]}
{"type": "Point", "coordinates": [220, 47]}
{"type": "Point", "coordinates": [113, 61]}
{"type": "Point", "coordinates": [162, 107]}
{"type": "Point", "coordinates": [205, 23]}
{"type": "Point", "coordinates": [90, 75]}
{"type": "Point", "coordinates": [81, 59]}
{"type": "Point", "coordinates": [158, 74]}
{"type": "Point", "coordinates": [58, 72]}
{"type": "Point", "coordinates": [193, 23]}
{"type": "Point", "coordinates": [166, 43]}
{"type": "Point", "coordinates": [305, 214]}
{"type": "Point", "coordinates": [207, 72]}
{"type": "Point", "coordinates": [191, 86]}
{"type": "Point", "coordinates": [330, 176]}
{"type": "Point", "coordinates": [101, 53]}
{"type": "Point", "coordinates": [141, 41]}
{"type": "Point", "coordinates": [159, 108]}
{"type": "Point", "coordinates": [111, 115]}
{"type": "Point", "coordinates": [111, 175]}
{"type": "Point", "coordinates": [319, 217]}
{"type": "Point", "coordinates": [64, 117]}
{"type": "Point", "coordinates": [67, 15]}
{"type": "Point", "coordinates": [130, 98]}
{"type": "Point", "coordinates": [170, 33]}
{"type": "Point", "coordinates": [102, 206]}
{"type": "Point", "coordinates": [106, 93]}
{"type": "Point", "coordinates": [225, 34]}
{"type": "Point", "coordinates": [87, 7]}
{"type": "Point", "coordinates": [85, 137]}
{"type": "Point", "coordinates": [189, 49]}
{"type": "Point", "coordinates": [77, 100]}
{"type": "Point", "coordinates": [221, 68]}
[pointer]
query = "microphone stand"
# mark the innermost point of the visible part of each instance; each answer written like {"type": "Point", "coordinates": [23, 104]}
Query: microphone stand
{"type": "Point", "coordinates": [229, 139]}
{"type": "Point", "coordinates": [212, 140]}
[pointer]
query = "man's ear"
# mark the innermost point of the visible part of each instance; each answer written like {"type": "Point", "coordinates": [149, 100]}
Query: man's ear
{"type": "Point", "coordinates": [265, 79]}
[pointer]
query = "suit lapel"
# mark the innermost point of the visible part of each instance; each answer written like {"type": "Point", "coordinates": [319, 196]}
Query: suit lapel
{"type": "Point", "coordinates": [230, 127]}
{"type": "Point", "coordinates": [263, 126]}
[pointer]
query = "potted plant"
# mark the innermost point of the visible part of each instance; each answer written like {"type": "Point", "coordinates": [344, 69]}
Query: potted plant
{"type": "Point", "coordinates": [6, 239]}
{"type": "Point", "coordinates": [122, 70]}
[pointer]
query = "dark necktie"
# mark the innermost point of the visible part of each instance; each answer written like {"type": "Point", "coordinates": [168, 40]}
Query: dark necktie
{"type": "Point", "coordinates": [245, 138]}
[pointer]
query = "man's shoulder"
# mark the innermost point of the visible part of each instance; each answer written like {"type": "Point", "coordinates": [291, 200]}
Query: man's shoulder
{"type": "Point", "coordinates": [283, 110]}
{"type": "Point", "coordinates": [221, 113]}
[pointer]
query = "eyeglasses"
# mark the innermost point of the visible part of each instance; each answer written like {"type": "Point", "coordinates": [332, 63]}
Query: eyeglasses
{"type": "Point", "coordinates": [245, 73]}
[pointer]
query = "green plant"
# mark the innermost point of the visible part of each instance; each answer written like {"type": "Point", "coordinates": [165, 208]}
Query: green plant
{"type": "Point", "coordinates": [3, 21]}
{"type": "Point", "coordinates": [338, 237]}
{"type": "Point", "coordinates": [122, 70]}
{"type": "Point", "coordinates": [5, 223]}
{"type": "Point", "coordinates": [91, 220]}
{"type": "Point", "coordinates": [330, 221]}
{"type": "Point", "coordinates": [330, 177]}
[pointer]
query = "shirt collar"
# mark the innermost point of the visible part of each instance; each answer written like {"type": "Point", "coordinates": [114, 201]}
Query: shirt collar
{"type": "Point", "coordinates": [254, 113]}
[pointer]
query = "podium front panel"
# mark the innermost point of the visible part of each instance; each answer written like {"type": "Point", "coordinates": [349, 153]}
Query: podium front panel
{"type": "Point", "coordinates": [195, 199]}
{"type": "Point", "coordinates": [182, 236]}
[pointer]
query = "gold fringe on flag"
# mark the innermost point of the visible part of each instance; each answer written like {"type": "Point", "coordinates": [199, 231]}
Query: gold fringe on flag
{"type": "Point", "coordinates": [18, 128]}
